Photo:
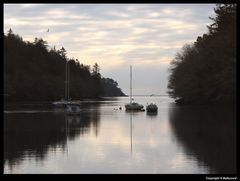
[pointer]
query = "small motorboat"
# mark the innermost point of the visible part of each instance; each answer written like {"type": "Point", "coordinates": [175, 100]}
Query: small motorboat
{"type": "Point", "coordinates": [152, 108]}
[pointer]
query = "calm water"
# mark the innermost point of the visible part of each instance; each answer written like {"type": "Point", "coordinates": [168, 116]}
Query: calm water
{"type": "Point", "coordinates": [104, 139]}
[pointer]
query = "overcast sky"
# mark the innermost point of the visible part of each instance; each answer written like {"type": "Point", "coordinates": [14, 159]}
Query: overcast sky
{"type": "Point", "coordinates": [146, 36]}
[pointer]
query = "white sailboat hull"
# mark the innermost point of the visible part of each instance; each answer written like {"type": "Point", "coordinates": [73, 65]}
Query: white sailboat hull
{"type": "Point", "coordinates": [134, 106]}
{"type": "Point", "coordinates": [73, 108]}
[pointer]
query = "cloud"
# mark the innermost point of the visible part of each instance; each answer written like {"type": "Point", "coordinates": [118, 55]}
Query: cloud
{"type": "Point", "coordinates": [113, 35]}
{"type": "Point", "coordinates": [118, 14]}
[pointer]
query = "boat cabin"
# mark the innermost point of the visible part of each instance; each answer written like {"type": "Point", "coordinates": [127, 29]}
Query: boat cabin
{"type": "Point", "coordinates": [73, 108]}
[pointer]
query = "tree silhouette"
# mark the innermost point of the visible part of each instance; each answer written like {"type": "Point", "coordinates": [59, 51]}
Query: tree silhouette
{"type": "Point", "coordinates": [34, 73]}
{"type": "Point", "coordinates": [205, 72]}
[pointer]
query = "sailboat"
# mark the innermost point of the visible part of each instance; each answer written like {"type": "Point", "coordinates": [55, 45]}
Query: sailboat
{"type": "Point", "coordinates": [152, 107]}
{"type": "Point", "coordinates": [133, 106]}
{"type": "Point", "coordinates": [64, 101]}
{"type": "Point", "coordinates": [72, 106]}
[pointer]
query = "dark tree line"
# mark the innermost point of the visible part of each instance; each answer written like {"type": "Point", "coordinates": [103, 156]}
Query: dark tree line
{"type": "Point", "coordinates": [205, 72]}
{"type": "Point", "coordinates": [34, 73]}
{"type": "Point", "coordinates": [110, 87]}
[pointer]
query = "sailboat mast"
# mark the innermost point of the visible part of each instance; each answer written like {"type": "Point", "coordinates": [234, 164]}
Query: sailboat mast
{"type": "Point", "coordinates": [130, 84]}
{"type": "Point", "coordinates": [68, 85]}
{"type": "Point", "coordinates": [131, 131]}
{"type": "Point", "coordinates": [66, 81]}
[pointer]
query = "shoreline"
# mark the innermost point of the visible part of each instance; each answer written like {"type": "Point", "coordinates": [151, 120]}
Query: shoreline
{"type": "Point", "coordinates": [7, 102]}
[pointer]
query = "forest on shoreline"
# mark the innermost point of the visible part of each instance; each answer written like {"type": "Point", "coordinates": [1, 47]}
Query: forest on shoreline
{"type": "Point", "coordinates": [205, 72]}
{"type": "Point", "coordinates": [32, 72]}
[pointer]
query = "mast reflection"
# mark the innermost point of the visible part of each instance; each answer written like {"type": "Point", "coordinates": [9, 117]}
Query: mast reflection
{"type": "Point", "coordinates": [35, 135]}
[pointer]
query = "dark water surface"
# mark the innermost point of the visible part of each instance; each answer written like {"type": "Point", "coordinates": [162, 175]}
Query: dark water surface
{"type": "Point", "coordinates": [103, 139]}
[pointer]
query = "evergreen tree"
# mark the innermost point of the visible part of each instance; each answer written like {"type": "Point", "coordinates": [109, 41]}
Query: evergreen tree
{"type": "Point", "coordinates": [205, 72]}
{"type": "Point", "coordinates": [34, 73]}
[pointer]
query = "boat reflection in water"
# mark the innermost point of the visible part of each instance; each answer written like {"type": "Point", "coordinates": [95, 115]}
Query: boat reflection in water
{"type": "Point", "coordinates": [103, 139]}
{"type": "Point", "coordinates": [152, 114]}
{"type": "Point", "coordinates": [131, 113]}
{"type": "Point", "coordinates": [73, 119]}
{"type": "Point", "coordinates": [208, 133]}
{"type": "Point", "coordinates": [32, 136]}
{"type": "Point", "coordinates": [35, 135]}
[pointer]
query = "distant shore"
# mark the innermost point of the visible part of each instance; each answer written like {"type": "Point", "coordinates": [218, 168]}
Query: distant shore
{"type": "Point", "coordinates": [147, 95]}
{"type": "Point", "coordinates": [50, 101]}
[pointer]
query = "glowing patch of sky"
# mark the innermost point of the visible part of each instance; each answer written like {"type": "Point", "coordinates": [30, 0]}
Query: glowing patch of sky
{"type": "Point", "coordinates": [145, 35]}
